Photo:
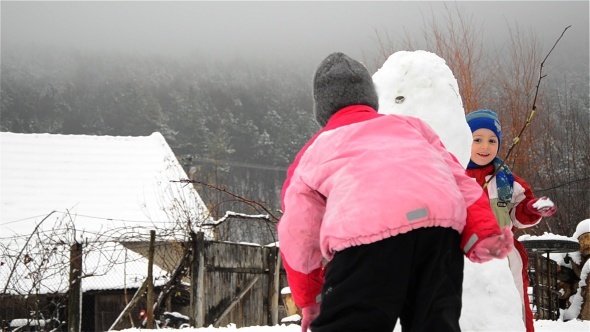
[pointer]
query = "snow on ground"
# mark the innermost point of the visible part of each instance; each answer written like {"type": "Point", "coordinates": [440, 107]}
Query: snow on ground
{"type": "Point", "coordinates": [540, 326]}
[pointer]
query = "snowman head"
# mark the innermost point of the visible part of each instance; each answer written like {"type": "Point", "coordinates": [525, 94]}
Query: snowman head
{"type": "Point", "coordinates": [417, 83]}
{"type": "Point", "coordinates": [420, 84]}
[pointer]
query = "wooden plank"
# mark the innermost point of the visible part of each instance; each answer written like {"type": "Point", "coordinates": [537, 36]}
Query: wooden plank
{"type": "Point", "coordinates": [198, 281]}
{"type": "Point", "coordinates": [75, 297]}
{"type": "Point", "coordinates": [274, 266]}
{"type": "Point", "coordinates": [235, 301]}
{"type": "Point", "coordinates": [130, 305]}
{"type": "Point", "coordinates": [233, 256]}
{"type": "Point", "coordinates": [150, 282]}
{"type": "Point", "coordinates": [236, 270]}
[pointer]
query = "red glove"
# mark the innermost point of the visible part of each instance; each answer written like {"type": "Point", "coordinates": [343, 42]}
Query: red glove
{"type": "Point", "coordinates": [309, 314]}
{"type": "Point", "coordinates": [543, 207]}
{"type": "Point", "coordinates": [495, 246]}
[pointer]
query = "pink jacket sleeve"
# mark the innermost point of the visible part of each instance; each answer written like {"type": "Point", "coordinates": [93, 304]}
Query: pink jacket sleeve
{"type": "Point", "coordinates": [298, 231]}
{"type": "Point", "coordinates": [481, 222]}
{"type": "Point", "coordinates": [305, 288]}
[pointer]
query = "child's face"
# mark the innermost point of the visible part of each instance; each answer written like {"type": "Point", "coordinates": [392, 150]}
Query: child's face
{"type": "Point", "coordinates": [484, 147]}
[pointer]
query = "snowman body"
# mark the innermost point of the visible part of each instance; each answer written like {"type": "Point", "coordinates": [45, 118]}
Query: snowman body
{"type": "Point", "coordinates": [420, 84]}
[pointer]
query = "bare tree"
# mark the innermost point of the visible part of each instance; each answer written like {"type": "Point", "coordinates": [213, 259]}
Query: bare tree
{"type": "Point", "coordinates": [561, 138]}
{"type": "Point", "coordinates": [38, 263]}
{"type": "Point", "coordinates": [516, 77]}
{"type": "Point", "coordinates": [551, 155]}
{"type": "Point", "coordinates": [458, 40]}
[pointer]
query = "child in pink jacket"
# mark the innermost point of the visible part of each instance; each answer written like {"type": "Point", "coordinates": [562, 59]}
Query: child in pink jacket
{"type": "Point", "coordinates": [388, 207]}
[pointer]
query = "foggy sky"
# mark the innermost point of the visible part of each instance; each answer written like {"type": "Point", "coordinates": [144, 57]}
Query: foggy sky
{"type": "Point", "coordinates": [275, 29]}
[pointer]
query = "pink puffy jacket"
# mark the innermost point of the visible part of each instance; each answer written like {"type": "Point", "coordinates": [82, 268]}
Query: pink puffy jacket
{"type": "Point", "coordinates": [365, 177]}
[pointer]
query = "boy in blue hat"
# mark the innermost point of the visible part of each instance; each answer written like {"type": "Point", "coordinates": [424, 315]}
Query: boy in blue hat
{"type": "Point", "coordinates": [510, 196]}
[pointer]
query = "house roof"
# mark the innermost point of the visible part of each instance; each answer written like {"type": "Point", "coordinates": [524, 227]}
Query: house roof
{"type": "Point", "coordinates": [100, 182]}
{"type": "Point", "coordinates": [92, 189]}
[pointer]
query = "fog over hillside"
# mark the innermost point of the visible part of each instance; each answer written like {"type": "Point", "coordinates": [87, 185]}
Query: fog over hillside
{"type": "Point", "coordinates": [228, 83]}
{"type": "Point", "coordinates": [303, 30]}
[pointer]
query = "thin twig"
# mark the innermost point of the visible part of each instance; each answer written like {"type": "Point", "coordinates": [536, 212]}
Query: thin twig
{"type": "Point", "coordinates": [516, 140]}
{"type": "Point", "coordinates": [230, 194]}
{"type": "Point", "coordinates": [21, 252]}
{"type": "Point", "coordinates": [563, 184]}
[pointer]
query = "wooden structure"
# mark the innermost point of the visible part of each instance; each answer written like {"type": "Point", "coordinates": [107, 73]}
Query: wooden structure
{"type": "Point", "coordinates": [545, 274]}
{"type": "Point", "coordinates": [290, 307]}
{"type": "Point", "coordinates": [584, 240]}
{"type": "Point", "coordinates": [75, 291]}
{"type": "Point", "coordinates": [237, 283]}
{"type": "Point", "coordinates": [544, 283]}
{"type": "Point", "coordinates": [225, 283]}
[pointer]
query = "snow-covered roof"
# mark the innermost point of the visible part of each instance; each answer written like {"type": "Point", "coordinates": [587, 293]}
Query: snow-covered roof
{"type": "Point", "coordinates": [101, 182]}
{"type": "Point", "coordinates": [98, 190]}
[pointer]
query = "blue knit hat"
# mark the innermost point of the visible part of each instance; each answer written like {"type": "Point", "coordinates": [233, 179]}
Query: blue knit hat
{"type": "Point", "coordinates": [485, 119]}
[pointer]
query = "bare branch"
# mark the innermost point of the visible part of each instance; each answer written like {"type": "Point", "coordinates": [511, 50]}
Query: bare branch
{"type": "Point", "coordinates": [516, 140]}
{"type": "Point", "coordinates": [21, 252]}
{"type": "Point", "coordinates": [242, 199]}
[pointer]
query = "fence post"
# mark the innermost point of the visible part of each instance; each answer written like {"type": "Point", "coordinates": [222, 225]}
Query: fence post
{"type": "Point", "coordinates": [197, 280]}
{"type": "Point", "coordinates": [274, 265]}
{"type": "Point", "coordinates": [75, 292]}
{"type": "Point", "coordinates": [150, 282]}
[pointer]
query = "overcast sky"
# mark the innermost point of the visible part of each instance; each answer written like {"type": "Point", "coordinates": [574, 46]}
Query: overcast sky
{"type": "Point", "coordinates": [300, 29]}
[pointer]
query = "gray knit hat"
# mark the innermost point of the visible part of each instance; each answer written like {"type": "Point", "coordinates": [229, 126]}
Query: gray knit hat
{"type": "Point", "coordinates": [341, 81]}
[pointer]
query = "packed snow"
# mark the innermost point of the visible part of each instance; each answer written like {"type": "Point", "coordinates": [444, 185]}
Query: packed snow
{"type": "Point", "coordinates": [540, 326]}
{"type": "Point", "coordinates": [543, 202]}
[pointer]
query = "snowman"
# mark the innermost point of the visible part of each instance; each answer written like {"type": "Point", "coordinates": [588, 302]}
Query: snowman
{"type": "Point", "coordinates": [420, 84]}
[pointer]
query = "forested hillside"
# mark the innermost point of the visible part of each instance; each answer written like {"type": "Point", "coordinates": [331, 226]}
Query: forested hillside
{"type": "Point", "coordinates": [239, 123]}
{"type": "Point", "coordinates": [236, 125]}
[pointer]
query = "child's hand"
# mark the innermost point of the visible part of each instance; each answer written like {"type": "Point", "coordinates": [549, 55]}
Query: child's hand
{"type": "Point", "coordinates": [309, 314]}
{"type": "Point", "coordinates": [496, 246]}
{"type": "Point", "coordinates": [543, 207]}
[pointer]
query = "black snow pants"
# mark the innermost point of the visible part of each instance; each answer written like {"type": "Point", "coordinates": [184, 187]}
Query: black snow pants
{"type": "Point", "coordinates": [416, 277]}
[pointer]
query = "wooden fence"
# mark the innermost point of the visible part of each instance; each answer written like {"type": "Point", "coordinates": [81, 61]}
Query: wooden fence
{"type": "Point", "coordinates": [215, 283]}
{"type": "Point", "coordinates": [228, 282]}
{"type": "Point", "coordinates": [235, 283]}
{"type": "Point", "coordinates": [544, 283]}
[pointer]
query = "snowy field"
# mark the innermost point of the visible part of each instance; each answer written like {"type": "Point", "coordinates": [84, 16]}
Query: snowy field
{"type": "Point", "coordinates": [540, 326]}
